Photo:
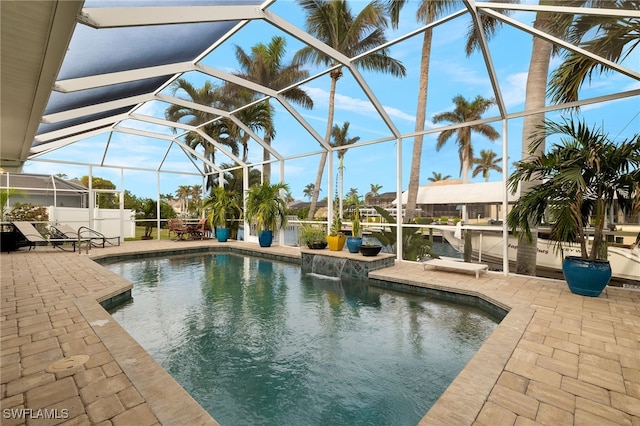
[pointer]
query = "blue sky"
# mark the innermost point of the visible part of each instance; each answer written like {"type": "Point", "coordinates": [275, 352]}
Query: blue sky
{"type": "Point", "coordinates": [452, 73]}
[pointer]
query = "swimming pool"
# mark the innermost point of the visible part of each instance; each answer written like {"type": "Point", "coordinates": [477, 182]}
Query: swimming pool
{"type": "Point", "coordinates": [258, 342]}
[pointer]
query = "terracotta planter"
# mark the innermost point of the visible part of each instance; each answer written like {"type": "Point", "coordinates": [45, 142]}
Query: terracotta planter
{"type": "Point", "coordinates": [336, 243]}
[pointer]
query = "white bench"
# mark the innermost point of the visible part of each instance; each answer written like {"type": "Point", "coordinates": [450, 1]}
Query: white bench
{"type": "Point", "coordinates": [456, 266]}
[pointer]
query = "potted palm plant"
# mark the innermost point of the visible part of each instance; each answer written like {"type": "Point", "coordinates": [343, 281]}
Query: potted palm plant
{"type": "Point", "coordinates": [266, 207]}
{"type": "Point", "coordinates": [580, 177]}
{"type": "Point", "coordinates": [355, 240]}
{"type": "Point", "coordinates": [222, 208]}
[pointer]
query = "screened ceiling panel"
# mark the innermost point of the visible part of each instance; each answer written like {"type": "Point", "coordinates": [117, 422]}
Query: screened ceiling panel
{"type": "Point", "coordinates": [45, 128]}
{"type": "Point", "coordinates": [82, 98]}
{"type": "Point", "coordinates": [105, 62]}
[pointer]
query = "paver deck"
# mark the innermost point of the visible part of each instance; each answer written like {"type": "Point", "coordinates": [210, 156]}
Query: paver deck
{"type": "Point", "coordinates": [556, 358]}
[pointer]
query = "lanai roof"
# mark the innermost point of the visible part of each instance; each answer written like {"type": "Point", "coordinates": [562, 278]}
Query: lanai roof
{"type": "Point", "coordinates": [74, 70]}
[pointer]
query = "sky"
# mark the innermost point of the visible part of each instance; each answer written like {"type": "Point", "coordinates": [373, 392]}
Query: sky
{"type": "Point", "coordinates": [452, 73]}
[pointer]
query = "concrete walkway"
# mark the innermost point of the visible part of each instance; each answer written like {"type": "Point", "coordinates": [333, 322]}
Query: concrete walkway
{"type": "Point", "coordinates": [556, 358]}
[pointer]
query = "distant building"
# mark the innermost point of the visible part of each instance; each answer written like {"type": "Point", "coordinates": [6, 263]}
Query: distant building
{"type": "Point", "coordinates": [44, 190]}
{"type": "Point", "coordinates": [444, 198]}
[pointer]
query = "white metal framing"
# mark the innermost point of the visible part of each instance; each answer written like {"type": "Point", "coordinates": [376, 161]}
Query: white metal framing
{"type": "Point", "coordinates": [142, 16]}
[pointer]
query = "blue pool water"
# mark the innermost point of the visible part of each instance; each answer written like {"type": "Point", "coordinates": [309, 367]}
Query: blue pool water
{"type": "Point", "coordinates": [258, 342]}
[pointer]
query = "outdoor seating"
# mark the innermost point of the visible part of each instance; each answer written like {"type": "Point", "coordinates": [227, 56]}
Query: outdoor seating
{"type": "Point", "coordinates": [455, 265]}
{"type": "Point", "coordinates": [97, 239]}
{"type": "Point", "coordinates": [177, 227]}
{"type": "Point", "coordinates": [198, 230]}
{"type": "Point", "coordinates": [188, 229]}
{"type": "Point", "coordinates": [31, 237]}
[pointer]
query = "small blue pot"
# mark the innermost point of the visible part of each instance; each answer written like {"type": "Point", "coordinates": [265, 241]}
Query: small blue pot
{"type": "Point", "coordinates": [222, 234]}
{"type": "Point", "coordinates": [586, 277]}
{"type": "Point", "coordinates": [353, 244]}
{"type": "Point", "coordinates": [265, 238]}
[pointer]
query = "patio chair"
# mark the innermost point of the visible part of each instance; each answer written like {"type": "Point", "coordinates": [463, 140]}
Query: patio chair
{"type": "Point", "coordinates": [179, 228]}
{"type": "Point", "coordinates": [63, 231]}
{"type": "Point", "coordinates": [198, 230]}
{"type": "Point", "coordinates": [31, 237]}
{"type": "Point", "coordinates": [97, 239]}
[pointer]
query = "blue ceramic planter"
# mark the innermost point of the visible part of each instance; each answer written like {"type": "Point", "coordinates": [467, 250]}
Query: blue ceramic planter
{"type": "Point", "coordinates": [222, 234]}
{"type": "Point", "coordinates": [353, 244]}
{"type": "Point", "coordinates": [586, 277]}
{"type": "Point", "coordinates": [265, 238]}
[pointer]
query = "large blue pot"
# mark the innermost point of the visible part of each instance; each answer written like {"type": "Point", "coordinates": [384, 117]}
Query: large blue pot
{"type": "Point", "coordinates": [222, 234]}
{"type": "Point", "coordinates": [586, 277]}
{"type": "Point", "coordinates": [353, 244]}
{"type": "Point", "coordinates": [265, 238]}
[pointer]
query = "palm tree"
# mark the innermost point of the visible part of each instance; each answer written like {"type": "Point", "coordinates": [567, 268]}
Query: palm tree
{"type": "Point", "coordinates": [465, 112]}
{"type": "Point", "coordinates": [437, 177]}
{"type": "Point", "coordinates": [428, 12]}
{"type": "Point", "coordinates": [535, 94]}
{"type": "Point", "coordinates": [308, 190]}
{"type": "Point", "coordinates": [341, 139]}
{"type": "Point", "coordinates": [195, 194]}
{"type": "Point", "coordinates": [264, 66]}
{"type": "Point", "coordinates": [485, 163]}
{"type": "Point", "coordinates": [182, 194]}
{"type": "Point", "coordinates": [374, 192]}
{"type": "Point", "coordinates": [615, 39]}
{"type": "Point", "coordinates": [332, 22]}
{"type": "Point", "coordinates": [207, 95]}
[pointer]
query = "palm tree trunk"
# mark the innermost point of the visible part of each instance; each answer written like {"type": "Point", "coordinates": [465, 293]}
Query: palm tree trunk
{"type": "Point", "coordinates": [340, 178]}
{"type": "Point", "coordinates": [416, 156]}
{"type": "Point", "coordinates": [535, 98]}
{"type": "Point", "coordinates": [335, 75]}
{"type": "Point", "coordinates": [266, 156]}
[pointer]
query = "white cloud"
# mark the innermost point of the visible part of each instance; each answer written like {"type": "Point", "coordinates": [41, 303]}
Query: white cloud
{"type": "Point", "coordinates": [355, 105]}
{"type": "Point", "coordinates": [514, 88]}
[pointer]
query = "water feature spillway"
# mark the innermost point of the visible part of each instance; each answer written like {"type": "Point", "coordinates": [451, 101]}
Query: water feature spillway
{"type": "Point", "coordinates": [328, 267]}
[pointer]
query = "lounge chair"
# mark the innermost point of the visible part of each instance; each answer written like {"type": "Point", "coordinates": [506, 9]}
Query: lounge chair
{"type": "Point", "coordinates": [455, 265]}
{"type": "Point", "coordinates": [97, 238]}
{"type": "Point", "coordinates": [31, 237]}
{"type": "Point", "coordinates": [63, 231]}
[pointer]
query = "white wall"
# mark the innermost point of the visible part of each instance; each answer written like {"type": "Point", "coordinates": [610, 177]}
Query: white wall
{"type": "Point", "coordinates": [107, 221]}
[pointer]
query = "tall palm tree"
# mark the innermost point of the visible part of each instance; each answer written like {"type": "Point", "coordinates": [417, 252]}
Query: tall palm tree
{"type": "Point", "coordinates": [195, 194]}
{"type": "Point", "coordinates": [332, 22]}
{"type": "Point", "coordinates": [485, 163]}
{"type": "Point", "coordinates": [341, 139]}
{"type": "Point", "coordinates": [615, 39]}
{"type": "Point", "coordinates": [373, 192]}
{"type": "Point", "coordinates": [465, 112]}
{"type": "Point", "coordinates": [207, 95]}
{"type": "Point", "coordinates": [556, 24]}
{"type": "Point", "coordinates": [428, 12]}
{"type": "Point", "coordinates": [264, 65]}
{"type": "Point", "coordinates": [437, 177]}
{"type": "Point", "coordinates": [182, 194]}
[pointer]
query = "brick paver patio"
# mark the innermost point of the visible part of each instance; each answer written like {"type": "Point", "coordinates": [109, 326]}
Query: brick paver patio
{"type": "Point", "coordinates": [555, 359]}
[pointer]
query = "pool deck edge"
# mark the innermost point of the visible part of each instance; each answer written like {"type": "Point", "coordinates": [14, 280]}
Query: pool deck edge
{"type": "Point", "coordinates": [556, 358]}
